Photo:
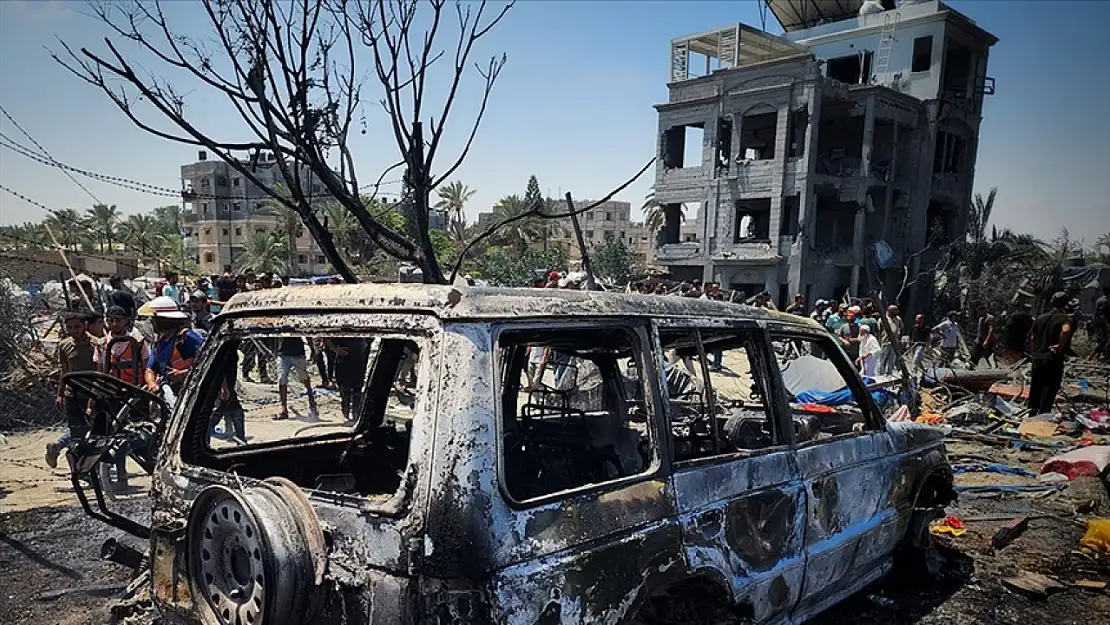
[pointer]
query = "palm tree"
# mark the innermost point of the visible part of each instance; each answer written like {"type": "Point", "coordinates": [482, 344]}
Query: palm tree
{"type": "Point", "coordinates": [265, 251]}
{"type": "Point", "coordinates": [102, 218]}
{"type": "Point", "coordinates": [520, 232]}
{"type": "Point", "coordinates": [453, 197]}
{"type": "Point", "coordinates": [145, 234]}
{"type": "Point", "coordinates": [655, 215]}
{"type": "Point", "coordinates": [169, 220]}
{"type": "Point", "coordinates": [67, 226]}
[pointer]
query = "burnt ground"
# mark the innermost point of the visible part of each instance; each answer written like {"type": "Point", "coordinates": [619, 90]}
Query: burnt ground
{"type": "Point", "coordinates": [48, 549]}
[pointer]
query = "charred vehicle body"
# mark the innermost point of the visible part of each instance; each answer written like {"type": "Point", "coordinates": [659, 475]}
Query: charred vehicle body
{"type": "Point", "coordinates": [530, 456]}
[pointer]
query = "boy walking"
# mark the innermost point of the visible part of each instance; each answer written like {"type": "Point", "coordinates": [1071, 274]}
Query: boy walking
{"type": "Point", "coordinates": [76, 352]}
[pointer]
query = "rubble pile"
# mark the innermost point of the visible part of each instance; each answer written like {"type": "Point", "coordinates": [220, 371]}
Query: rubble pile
{"type": "Point", "coordinates": [26, 389]}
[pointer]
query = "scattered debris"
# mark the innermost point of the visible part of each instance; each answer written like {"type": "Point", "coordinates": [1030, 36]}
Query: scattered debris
{"type": "Point", "coordinates": [1096, 542]}
{"type": "Point", "coordinates": [949, 525]}
{"type": "Point", "coordinates": [1082, 462]}
{"type": "Point", "coordinates": [1035, 585]}
{"type": "Point", "coordinates": [1009, 532]}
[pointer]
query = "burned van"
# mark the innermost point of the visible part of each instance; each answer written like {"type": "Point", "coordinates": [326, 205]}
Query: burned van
{"type": "Point", "coordinates": [527, 456]}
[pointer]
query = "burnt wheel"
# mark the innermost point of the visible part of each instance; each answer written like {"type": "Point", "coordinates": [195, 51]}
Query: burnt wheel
{"type": "Point", "coordinates": [918, 554]}
{"type": "Point", "coordinates": [248, 558]}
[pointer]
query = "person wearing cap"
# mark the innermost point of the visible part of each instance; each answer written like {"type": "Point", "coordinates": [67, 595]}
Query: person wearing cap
{"type": "Point", "coordinates": [868, 352]}
{"type": "Point", "coordinates": [949, 333]}
{"type": "Point", "coordinates": [849, 333]}
{"type": "Point", "coordinates": [1049, 341]}
{"type": "Point", "coordinates": [553, 280]}
{"type": "Point", "coordinates": [175, 347]}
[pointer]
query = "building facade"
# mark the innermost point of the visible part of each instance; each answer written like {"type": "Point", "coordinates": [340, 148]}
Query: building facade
{"type": "Point", "coordinates": [223, 210]}
{"type": "Point", "coordinates": [834, 158]}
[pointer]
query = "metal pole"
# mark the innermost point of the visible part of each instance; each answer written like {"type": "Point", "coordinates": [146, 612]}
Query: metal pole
{"type": "Point", "coordinates": [591, 284]}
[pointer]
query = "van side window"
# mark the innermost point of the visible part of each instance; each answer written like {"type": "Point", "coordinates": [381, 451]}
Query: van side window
{"type": "Point", "coordinates": [573, 409]}
{"type": "Point", "coordinates": [826, 396]}
{"type": "Point", "coordinates": [726, 412]}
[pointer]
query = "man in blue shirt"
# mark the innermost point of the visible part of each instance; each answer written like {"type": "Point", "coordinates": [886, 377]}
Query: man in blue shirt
{"type": "Point", "coordinates": [175, 348]}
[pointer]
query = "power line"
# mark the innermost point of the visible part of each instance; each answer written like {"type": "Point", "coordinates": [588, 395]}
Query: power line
{"type": "Point", "coordinates": [47, 154]}
{"type": "Point", "coordinates": [135, 185]}
{"type": "Point", "coordinates": [61, 216]}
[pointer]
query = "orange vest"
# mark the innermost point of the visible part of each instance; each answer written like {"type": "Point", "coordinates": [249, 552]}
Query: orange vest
{"type": "Point", "coordinates": [177, 361]}
{"type": "Point", "coordinates": [126, 366]}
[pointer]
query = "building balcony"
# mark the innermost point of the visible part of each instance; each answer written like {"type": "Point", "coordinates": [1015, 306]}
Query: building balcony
{"type": "Point", "coordinates": [678, 252]}
{"type": "Point", "coordinates": [189, 217]}
{"type": "Point", "coordinates": [692, 91]}
{"type": "Point", "coordinates": [750, 251]}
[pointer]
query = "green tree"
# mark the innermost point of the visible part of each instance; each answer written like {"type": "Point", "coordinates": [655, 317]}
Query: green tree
{"type": "Point", "coordinates": [505, 267]}
{"type": "Point", "coordinates": [265, 251]}
{"type": "Point", "coordinates": [655, 216]}
{"type": "Point", "coordinates": [66, 224]}
{"type": "Point", "coordinates": [169, 219]}
{"type": "Point", "coordinates": [102, 218]}
{"type": "Point", "coordinates": [613, 262]}
{"type": "Point", "coordinates": [521, 232]}
{"type": "Point", "coordinates": [144, 234]}
{"type": "Point", "coordinates": [453, 197]}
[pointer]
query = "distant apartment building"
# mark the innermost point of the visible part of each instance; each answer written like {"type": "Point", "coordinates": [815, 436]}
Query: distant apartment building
{"type": "Point", "coordinates": [223, 210]}
{"type": "Point", "coordinates": [827, 158]}
{"type": "Point", "coordinates": [611, 218]}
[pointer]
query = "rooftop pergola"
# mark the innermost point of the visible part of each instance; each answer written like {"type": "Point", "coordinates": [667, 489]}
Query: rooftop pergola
{"type": "Point", "coordinates": [735, 46]}
{"type": "Point", "coordinates": [802, 14]}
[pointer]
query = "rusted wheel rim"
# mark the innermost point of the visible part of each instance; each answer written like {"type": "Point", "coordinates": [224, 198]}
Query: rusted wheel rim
{"type": "Point", "coordinates": [228, 560]}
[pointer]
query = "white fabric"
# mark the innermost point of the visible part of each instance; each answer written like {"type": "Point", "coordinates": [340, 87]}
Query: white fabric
{"type": "Point", "coordinates": [869, 352]}
{"type": "Point", "coordinates": [949, 333]}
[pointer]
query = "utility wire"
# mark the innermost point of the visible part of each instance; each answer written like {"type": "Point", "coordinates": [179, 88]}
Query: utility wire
{"type": "Point", "coordinates": [61, 216]}
{"type": "Point", "coordinates": [135, 185]}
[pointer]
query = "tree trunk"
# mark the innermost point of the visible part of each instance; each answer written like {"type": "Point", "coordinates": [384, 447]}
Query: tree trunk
{"type": "Point", "coordinates": [418, 183]}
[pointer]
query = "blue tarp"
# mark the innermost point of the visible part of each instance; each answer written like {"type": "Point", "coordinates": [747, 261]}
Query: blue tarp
{"type": "Point", "coordinates": [841, 396]}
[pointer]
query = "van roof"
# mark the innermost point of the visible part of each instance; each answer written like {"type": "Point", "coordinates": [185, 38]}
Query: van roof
{"type": "Point", "coordinates": [490, 303]}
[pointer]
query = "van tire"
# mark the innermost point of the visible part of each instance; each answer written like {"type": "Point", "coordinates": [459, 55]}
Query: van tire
{"type": "Point", "coordinates": [918, 553]}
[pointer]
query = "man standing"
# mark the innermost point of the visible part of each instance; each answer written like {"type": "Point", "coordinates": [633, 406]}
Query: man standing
{"type": "Point", "coordinates": [226, 285]}
{"type": "Point", "coordinates": [291, 358]}
{"type": "Point", "coordinates": [836, 319]}
{"type": "Point", "coordinates": [887, 355]}
{"type": "Point", "coordinates": [949, 332]}
{"type": "Point", "coordinates": [919, 336]}
{"type": "Point", "coordinates": [76, 352]}
{"type": "Point", "coordinates": [202, 315]}
{"type": "Point", "coordinates": [1048, 346]}
{"type": "Point", "coordinates": [868, 352]}
{"type": "Point", "coordinates": [984, 339]}
{"type": "Point", "coordinates": [849, 334]}
{"type": "Point", "coordinates": [1017, 333]}
{"type": "Point", "coordinates": [799, 305]}
{"type": "Point", "coordinates": [1102, 325]}
{"type": "Point", "coordinates": [170, 289]}
{"type": "Point", "coordinates": [121, 297]}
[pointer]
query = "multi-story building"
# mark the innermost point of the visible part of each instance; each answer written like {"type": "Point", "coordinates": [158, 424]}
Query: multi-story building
{"type": "Point", "coordinates": [223, 210]}
{"type": "Point", "coordinates": [825, 160]}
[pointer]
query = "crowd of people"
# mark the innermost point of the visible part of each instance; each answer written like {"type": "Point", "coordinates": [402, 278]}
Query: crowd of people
{"type": "Point", "coordinates": [101, 335]}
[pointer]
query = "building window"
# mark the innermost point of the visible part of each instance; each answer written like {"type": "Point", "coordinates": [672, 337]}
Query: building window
{"type": "Point", "coordinates": [608, 216]}
{"type": "Point", "coordinates": [205, 182]}
{"type": "Point", "coordinates": [221, 181]}
{"type": "Point", "coordinates": [235, 181]}
{"type": "Point", "coordinates": [302, 258]}
{"type": "Point", "coordinates": [238, 232]}
{"type": "Point", "coordinates": [922, 54]}
{"type": "Point", "coordinates": [209, 257]}
{"type": "Point", "coordinates": [590, 216]}
{"type": "Point", "coordinates": [235, 206]}
{"type": "Point", "coordinates": [204, 207]}
{"type": "Point", "coordinates": [225, 232]}
{"type": "Point", "coordinates": [207, 231]}
{"type": "Point", "coordinates": [320, 260]}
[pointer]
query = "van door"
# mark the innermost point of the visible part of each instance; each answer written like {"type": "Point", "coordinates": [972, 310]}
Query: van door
{"type": "Point", "coordinates": [847, 462]}
{"type": "Point", "coordinates": [741, 503]}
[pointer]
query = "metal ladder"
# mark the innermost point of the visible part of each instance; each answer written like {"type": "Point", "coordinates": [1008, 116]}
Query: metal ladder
{"type": "Point", "coordinates": [886, 44]}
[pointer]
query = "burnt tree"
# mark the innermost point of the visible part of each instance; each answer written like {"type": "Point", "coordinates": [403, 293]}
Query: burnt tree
{"type": "Point", "coordinates": [290, 71]}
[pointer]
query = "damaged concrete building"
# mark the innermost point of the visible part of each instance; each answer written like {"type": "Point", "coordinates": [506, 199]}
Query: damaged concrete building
{"type": "Point", "coordinates": [831, 155]}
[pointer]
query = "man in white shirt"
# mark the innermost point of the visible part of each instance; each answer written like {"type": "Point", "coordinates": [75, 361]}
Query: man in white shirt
{"type": "Point", "coordinates": [949, 332]}
{"type": "Point", "coordinates": [868, 352]}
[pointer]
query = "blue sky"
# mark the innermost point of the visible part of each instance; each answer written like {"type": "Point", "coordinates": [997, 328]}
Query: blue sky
{"type": "Point", "coordinates": [574, 107]}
